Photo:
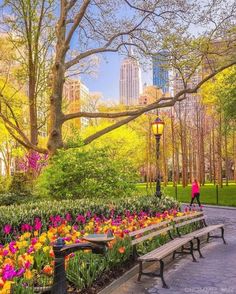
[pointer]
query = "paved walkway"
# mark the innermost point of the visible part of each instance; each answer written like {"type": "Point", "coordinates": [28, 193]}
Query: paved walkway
{"type": "Point", "coordinates": [215, 274]}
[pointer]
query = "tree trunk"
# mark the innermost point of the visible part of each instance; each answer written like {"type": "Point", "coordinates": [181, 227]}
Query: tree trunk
{"type": "Point", "coordinates": [56, 117]}
{"type": "Point", "coordinates": [165, 171]}
{"type": "Point", "coordinates": [226, 159]}
{"type": "Point", "coordinates": [210, 157]}
{"type": "Point", "coordinates": [213, 153]}
{"type": "Point", "coordinates": [173, 150]}
{"type": "Point", "coordinates": [177, 164]}
{"type": "Point", "coordinates": [190, 160]}
{"type": "Point", "coordinates": [219, 154]}
{"type": "Point", "coordinates": [33, 104]}
{"type": "Point", "coordinates": [58, 78]}
{"type": "Point", "coordinates": [234, 154]}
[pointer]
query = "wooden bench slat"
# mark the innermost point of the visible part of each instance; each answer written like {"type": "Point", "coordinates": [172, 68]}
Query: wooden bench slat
{"type": "Point", "coordinates": [190, 221]}
{"type": "Point", "coordinates": [178, 218]}
{"type": "Point", "coordinates": [151, 235]}
{"type": "Point", "coordinates": [203, 231]}
{"type": "Point", "coordinates": [149, 228]}
{"type": "Point", "coordinates": [165, 250]}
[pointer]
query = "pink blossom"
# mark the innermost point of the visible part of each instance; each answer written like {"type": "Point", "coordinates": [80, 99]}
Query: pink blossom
{"type": "Point", "coordinates": [38, 224]}
{"type": "Point", "coordinates": [5, 252]}
{"type": "Point", "coordinates": [7, 229]}
{"type": "Point", "coordinates": [68, 217]}
{"type": "Point", "coordinates": [26, 228]}
{"type": "Point", "coordinates": [27, 264]}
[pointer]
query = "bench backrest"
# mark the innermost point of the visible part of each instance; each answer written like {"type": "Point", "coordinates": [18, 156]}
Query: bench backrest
{"type": "Point", "coordinates": [164, 227]}
{"type": "Point", "coordinates": [189, 219]}
{"type": "Point", "coordinates": [150, 232]}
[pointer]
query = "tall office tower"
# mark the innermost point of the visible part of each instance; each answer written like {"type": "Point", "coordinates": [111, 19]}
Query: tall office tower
{"type": "Point", "coordinates": [75, 92]}
{"type": "Point", "coordinates": [130, 81]}
{"type": "Point", "coordinates": [188, 105]}
{"type": "Point", "coordinates": [160, 72]}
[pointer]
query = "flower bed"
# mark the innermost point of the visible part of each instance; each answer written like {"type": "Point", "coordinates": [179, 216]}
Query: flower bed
{"type": "Point", "coordinates": [28, 261]}
{"type": "Point", "coordinates": [20, 218]}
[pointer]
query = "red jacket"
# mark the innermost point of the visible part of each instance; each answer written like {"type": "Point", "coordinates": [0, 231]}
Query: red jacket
{"type": "Point", "coordinates": [195, 188]}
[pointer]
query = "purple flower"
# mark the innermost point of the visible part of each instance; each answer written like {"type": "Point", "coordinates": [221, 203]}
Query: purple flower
{"type": "Point", "coordinates": [31, 249]}
{"type": "Point", "coordinates": [88, 214]}
{"type": "Point", "coordinates": [27, 264]}
{"type": "Point", "coordinates": [5, 252]}
{"type": "Point", "coordinates": [81, 219]}
{"type": "Point", "coordinates": [8, 272]}
{"type": "Point", "coordinates": [12, 248]}
{"type": "Point", "coordinates": [20, 272]}
{"type": "Point", "coordinates": [7, 229]}
{"type": "Point", "coordinates": [37, 224]}
{"type": "Point", "coordinates": [68, 217]}
{"type": "Point", "coordinates": [26, 228]}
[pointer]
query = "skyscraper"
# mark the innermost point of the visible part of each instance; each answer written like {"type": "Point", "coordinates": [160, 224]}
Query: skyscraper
{"type": "Point", "coordinates": [160, 72]}
{"type": "Point", "coordinates": [74, 93]}
{"type": "Point", "coordinates": [130, 81]}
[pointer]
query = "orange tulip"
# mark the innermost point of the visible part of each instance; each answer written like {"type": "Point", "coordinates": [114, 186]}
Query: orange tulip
{"type": "Point", "coordinates": [121, 250]}
{"type": "Point", "coordinates": [48, 270]}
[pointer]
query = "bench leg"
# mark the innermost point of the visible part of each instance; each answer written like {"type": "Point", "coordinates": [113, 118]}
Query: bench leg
{"type": "Point", "coordinates": [222, 235]}
{"type": "Point", "coordinates": [135, 254]}
{"type": "Point", "coordinates": [198, 248]}
{"type": "Point", "coordinates": [173, 256]}
{"type": "Point", "coordinates": [208, 237]}
{"type": "Point", "coordinates": [140, 270]}
{"type": "Point", "coordinates": [191, 251]}
{"type": "Point", "coordinates": [164, 285]}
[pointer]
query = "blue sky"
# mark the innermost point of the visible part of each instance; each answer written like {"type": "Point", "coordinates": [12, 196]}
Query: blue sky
{"type": "Point", "coordinates": [107, 79]}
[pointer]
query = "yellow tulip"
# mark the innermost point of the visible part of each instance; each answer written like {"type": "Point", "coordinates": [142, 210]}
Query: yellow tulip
{"type": "Point", "coordinates": [37, 246]}
{"type": "Point", "coordinates": [28, 274]}
{"type": "Point", "coordinates": [7, 287]}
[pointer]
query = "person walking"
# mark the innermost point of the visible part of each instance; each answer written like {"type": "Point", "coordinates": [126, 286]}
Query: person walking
{"type": "Point", "coordinates": [195, 193]}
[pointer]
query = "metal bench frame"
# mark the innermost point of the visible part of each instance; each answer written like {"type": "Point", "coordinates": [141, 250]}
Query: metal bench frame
{"type": "Point", "coordinates": [155, 230]}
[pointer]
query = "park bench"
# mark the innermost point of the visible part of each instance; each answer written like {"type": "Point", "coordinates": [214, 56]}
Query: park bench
{"type": "Point", "coordinates": [172, 246]}
{"type": "Point", "coordinates": [161, 252]}
{"type": "Point", "coordinates": [198, 219]}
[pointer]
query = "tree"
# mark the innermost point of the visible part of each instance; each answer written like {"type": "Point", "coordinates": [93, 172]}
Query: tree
{"type": "Point", "coordinates": [149, 26]}
{"type": "Point", "coordinates": [220, 95]}
{"type": "Point", "coordinates": [29, 27]}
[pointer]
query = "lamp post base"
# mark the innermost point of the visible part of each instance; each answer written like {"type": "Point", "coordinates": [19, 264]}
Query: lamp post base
{"type": "Point", "coordinates": [158, 194]}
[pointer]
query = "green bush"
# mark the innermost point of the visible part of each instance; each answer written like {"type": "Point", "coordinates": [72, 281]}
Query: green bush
{"type": "Point", "coordinates": [19, 184]}
{"type": "Point", "coordinates": [4, 184]}
{"type": "Point", "coordinates": [17, 191]}
{"type": "Point", "coordinates": [76, 174]}
{"type": "Point", "coordinates": [14, 198]}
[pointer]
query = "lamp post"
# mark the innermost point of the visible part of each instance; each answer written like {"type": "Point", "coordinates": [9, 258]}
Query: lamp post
{"type": "Point", "coordinates": [157, 128]}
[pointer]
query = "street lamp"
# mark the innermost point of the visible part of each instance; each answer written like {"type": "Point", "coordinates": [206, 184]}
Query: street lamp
{"type": "Point", "coordinates": [157, 128]}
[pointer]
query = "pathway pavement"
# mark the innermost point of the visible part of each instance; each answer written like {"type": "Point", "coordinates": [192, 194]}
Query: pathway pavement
{"type": "Point", "coordinates": [215, 274]}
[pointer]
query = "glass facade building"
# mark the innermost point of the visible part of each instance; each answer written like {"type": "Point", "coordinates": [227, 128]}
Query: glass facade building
{"type": "Point", "coordinates": [160, 72]}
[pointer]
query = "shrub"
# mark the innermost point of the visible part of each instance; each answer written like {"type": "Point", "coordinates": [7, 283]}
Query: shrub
{"type": "Point", "coordinates": [17, 190]}
{"type": "Point", "coordinates": [19, 184]}
{"type": "Point", "coordinates": [4, 183]}
{"type": "Point", "coordinates": [79, 174]}
{"type": "Point", "coordinates": [14, 198]}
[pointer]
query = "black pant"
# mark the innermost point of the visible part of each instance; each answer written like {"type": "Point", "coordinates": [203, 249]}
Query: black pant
{"type": "Point", "coordinates": [197, 196]}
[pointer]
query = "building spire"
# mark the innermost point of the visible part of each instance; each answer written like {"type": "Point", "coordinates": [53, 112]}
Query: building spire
{"type": "Point", "coordinates": [130, 48]}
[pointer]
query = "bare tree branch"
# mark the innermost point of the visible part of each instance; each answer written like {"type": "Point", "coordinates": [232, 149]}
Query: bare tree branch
{"type": "Point", "coordinates": [177, 98]}
{"type": "Point", "coordinates": [79, 16]}
{"type": "Point", "coordinates": [106, 47]}
{"type": "Point", "coordinates": [10, 126]}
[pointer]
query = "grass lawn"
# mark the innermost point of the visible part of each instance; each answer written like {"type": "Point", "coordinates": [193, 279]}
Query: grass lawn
{"type": "Point", "coordinates": [226, 195]}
